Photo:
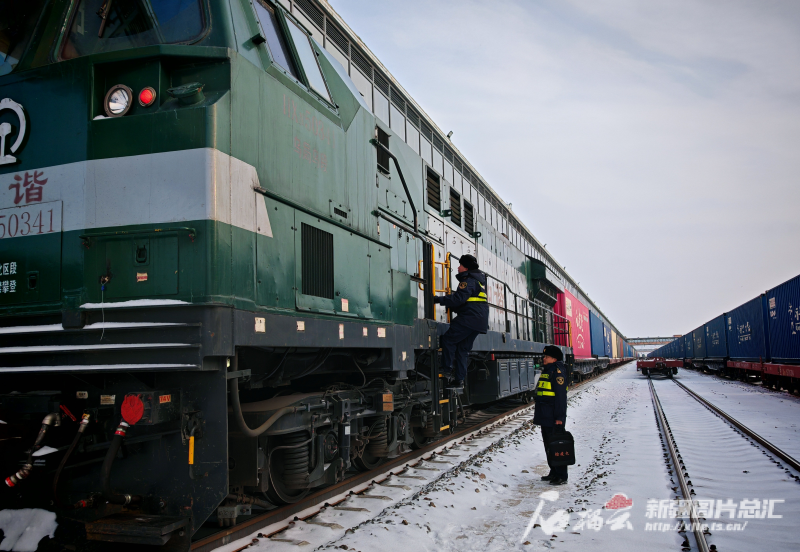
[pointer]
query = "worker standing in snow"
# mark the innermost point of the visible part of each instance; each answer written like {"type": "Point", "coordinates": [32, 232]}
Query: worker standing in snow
{"type": "Point", "coordinates": [551, 406]}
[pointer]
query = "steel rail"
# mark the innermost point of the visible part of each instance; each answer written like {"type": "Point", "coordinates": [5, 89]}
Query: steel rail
{"type": "Point", "coordinates": [379, 474]}
{"type": "Point", "coordinates": [702, 545]}
{"type": "Point", "coordinates": [743, 428]}
{"type": "Point", "coordinates": [312, 505]}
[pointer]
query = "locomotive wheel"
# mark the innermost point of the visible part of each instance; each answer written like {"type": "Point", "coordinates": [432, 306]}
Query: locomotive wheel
{"type": "Point", "coordinates": [277, 493]}
{"type": "Point", "coordinates": [420, 439]}
{"type": "Point", "coordinates": [367, 461]}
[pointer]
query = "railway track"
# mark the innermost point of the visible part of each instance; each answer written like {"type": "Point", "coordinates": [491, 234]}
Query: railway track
{"type": "Point", "coordinates": [677, 463]}
{"type": "Point", "coordinates": [698, 524]}
{"type": "Point", "coordinates": [273, 522]}
{"type": "Point", "coordinates": [743, 428]}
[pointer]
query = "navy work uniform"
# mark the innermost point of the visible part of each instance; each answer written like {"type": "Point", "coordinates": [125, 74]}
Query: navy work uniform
{"type": "Point", "coordinates": [551, 406]}
{"type": "Point", "coordinates": [469, 304]}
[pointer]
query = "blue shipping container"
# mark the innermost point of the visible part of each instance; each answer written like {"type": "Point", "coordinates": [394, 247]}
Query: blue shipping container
{"type": "Point", "coordinates": [596, 334]}
{"type": "Point", "coordinates": [747, 340]}
{"type": "Point", "coordinates": [699, 338]}
{"type": "Point", "coordinates": [680, 353]}
{"type": "Point", "coordinates": [607, 341]}
{"type": "Point", "coordinates": [716, 342]}
{"type": "Point", "coordinates": [783, 305]}
{"type": "Point", "coordinates": [688, 345]}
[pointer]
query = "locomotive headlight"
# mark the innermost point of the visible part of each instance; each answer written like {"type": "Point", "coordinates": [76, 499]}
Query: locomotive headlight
{"type": "Point", "coordinates": [118, 100]}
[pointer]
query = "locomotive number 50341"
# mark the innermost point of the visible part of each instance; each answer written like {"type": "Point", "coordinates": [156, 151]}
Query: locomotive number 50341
{"type": "Point", "coordinates": [30, 220]}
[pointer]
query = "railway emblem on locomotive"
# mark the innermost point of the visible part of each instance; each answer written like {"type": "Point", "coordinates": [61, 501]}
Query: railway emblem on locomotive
{"type": "Point", "coordinates": [6, 130]}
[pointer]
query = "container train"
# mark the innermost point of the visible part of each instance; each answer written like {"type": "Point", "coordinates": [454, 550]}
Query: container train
{"type": "Point", "coordinates": [222, 226]}
{"type": "Point", "coordinates": [759, 339]}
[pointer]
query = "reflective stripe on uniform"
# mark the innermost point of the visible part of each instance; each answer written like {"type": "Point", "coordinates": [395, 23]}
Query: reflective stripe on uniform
{"type": "Point", "coordinates": [547, 393]}
{"type": "Point", "coordinates": [544, 385]}
{"type": "Point", "coordinates": [544, 376]}
{"type": "Point", "coordinates": [481, 296]}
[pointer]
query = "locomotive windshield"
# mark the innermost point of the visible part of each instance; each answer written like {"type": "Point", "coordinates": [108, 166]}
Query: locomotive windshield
{"type": "Point", "coordinates": [106, 25]}
{"type": "Point", "coordinates": [17, 21]}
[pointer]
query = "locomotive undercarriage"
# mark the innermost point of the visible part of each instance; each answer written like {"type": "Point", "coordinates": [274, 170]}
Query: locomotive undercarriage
{"type": "Point", "coordinates": [211, 418]}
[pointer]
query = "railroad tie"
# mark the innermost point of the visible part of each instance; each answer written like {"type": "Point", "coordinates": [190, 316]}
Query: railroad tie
{"type": "Point", "coordinates": [376, 497]}
{"type": "Point", "coordinates": [325, 524]}
{"type": "Point", "coordinates": [291, 541]}
{"type": "Point", "coordinates": [413, 477]}
{"type": "Point", "coordinates": [404, 487]}
{"type": "Point", "coordinates": [350, 509]}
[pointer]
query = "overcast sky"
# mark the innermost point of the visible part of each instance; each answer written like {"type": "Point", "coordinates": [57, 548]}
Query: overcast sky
{"type": "Point", "coordinates": [654, 145]}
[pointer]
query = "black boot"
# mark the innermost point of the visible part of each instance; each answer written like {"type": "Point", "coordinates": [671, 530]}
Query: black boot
{"type": "Point", "coordinates": [547, 477]}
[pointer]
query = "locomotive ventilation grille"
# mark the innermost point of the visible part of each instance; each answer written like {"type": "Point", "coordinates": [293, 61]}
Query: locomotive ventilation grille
{"type": "Point", "coordinates": [317, 262]}
{"type": "Point", "coordinates": [434, 191]}
{"type": "Point", "coordinates": [469, 224]}
{"type": "Point", "coordinates": [455, 207]}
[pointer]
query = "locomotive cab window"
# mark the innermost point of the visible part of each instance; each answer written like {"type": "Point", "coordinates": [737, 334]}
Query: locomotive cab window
{"type": "Point", "coordinates": [308, 60]}
{"type": "Point", "coordinates": [18, 21]}
{"type": "Point", "coordinates": [304, 67]}
{"type": "Point", "coordinates": [383, 155]}
{"type": "Point", "coordinates": [105, 25]}
{"type": "Point", "coordinates": [275, 41]}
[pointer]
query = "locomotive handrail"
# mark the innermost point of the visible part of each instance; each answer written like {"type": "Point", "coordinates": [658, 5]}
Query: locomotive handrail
{"type": "Point", "coordinates": [527, 316]}
{"type": "Point", "coordinates": [329, 220]}
{"type": "Point", "coordinates": [388, 217]}
{"type": "Point", "coordinates": [377, 144]}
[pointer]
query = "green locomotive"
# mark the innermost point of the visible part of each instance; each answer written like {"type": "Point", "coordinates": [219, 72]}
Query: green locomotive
{"type": "Point", "coordinates": [222, 224]}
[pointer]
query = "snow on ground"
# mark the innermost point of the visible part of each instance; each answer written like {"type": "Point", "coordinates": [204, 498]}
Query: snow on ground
{"type": "Point", "coordinates": [726, 467]}
{"type": "Point", "coordinates": [773, 415]}
{"type": "Point", "coordinates": [23, 529]}
{"type": "Point", "coordinates": [487, 493]}
{"type": "Point", "coordinates": [488, 503]}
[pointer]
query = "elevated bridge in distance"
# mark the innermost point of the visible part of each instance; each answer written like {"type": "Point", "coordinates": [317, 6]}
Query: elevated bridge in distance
{"type": "Point", "coordinates": [651, 340]}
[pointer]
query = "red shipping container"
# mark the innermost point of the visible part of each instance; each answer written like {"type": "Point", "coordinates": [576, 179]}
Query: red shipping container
{"type": "Point", "coordinates": [578, 315]}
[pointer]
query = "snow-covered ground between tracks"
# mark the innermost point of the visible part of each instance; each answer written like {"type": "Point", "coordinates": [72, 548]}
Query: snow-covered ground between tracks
{"type": "Point", "coordinates": [773, 415]}
{"type": "Point", "coordinates": [495, 500]}
{"type": "Point", "coordinates": [735, 480]}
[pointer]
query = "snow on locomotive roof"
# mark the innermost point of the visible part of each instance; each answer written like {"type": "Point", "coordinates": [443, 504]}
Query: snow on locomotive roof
{"type": "Point", "coordinates": [95, 326]}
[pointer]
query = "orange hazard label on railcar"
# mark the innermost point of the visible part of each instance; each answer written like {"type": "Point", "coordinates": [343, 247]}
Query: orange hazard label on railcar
{"type": "Point", "coordinates": [165, 399]}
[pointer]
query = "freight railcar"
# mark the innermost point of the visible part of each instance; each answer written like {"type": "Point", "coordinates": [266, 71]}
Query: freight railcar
{"type": "Point", "coordinates": [756, 340]}
{"type": "Point", "coordinates": [222, 225]}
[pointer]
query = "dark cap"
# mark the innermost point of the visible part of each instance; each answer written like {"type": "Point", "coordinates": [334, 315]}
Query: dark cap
{"type": "Point", "coordinates": [469, 262]}
{"type": "Point", "coordinates": [553, 351]}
